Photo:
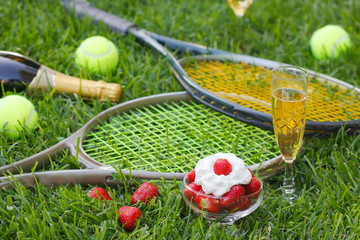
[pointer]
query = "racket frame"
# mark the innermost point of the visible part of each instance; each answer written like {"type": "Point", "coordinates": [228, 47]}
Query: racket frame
{"type": "Point", "coordinates": [96, 172]}
{"type": "Point", "coordinates": [256, 118]}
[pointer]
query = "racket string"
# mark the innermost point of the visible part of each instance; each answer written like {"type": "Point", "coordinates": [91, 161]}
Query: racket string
{"type": "Point", "coordinates": [249, 86]}
{"type": "Point", "coordinates": [173, 136]}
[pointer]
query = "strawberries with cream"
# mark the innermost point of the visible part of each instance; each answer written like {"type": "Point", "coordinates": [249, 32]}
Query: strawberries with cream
{"type": "Point", "coordinates": [220, 184]}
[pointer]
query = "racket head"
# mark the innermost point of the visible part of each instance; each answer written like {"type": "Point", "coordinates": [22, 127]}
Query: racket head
{"type": "Point", "coordinates": [239, 86]}
{"type": "Point", "coordinates": [168, 133]}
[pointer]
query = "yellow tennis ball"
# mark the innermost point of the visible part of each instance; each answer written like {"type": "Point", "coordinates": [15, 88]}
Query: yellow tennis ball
{"type": "Point", "coordinates": [16, 112]}
{"type": "Point", "coordinates": [97, 54]}
{"type": "Point", "coordinates": [329, 42]}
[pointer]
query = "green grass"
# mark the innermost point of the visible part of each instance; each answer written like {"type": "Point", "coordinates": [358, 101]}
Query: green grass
{"type": "Point", "coordinates": [327, 173]}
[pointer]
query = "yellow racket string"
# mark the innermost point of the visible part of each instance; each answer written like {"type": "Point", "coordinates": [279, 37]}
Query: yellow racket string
{"type": "Point", "coordinates": [172, 137]}
{"type": "Point", "coordinates": [249, 86]}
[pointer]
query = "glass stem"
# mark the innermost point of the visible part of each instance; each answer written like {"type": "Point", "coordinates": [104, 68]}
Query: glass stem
{"type": "Point", "coordinates": [289, 183]}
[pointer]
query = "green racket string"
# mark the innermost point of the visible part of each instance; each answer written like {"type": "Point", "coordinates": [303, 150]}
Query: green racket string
{"type": "Point", "coordinates": [172, 137]}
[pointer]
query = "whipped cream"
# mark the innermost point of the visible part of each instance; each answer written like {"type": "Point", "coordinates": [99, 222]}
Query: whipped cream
{"type": "Point", "coordinates": [220, 184]}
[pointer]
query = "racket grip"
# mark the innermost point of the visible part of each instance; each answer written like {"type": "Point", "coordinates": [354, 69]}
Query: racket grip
{"type": "Point", "coordinates": [48, 79]}
{"type": "Point", "coordinates": [64, 177]}
{"type": "Point", "coordinates": [82, 177]}
{"type": "Point", "coordinates": [83, 8]}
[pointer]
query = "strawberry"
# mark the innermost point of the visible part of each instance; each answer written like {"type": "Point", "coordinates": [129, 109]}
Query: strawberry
{"type": "Point", "coordinates": [191, 176]}
{"type": "Point", "coordinates": [207, 203]}
{"type": "Point", "coordinates": [243, 204]}
{"type": "Point", "coordinates": [199, 196]}
{"type": "Point", "coordinates": [99, 193]}
{"type": "Point", "coordinates": [128, 217]}
{"type": "Point", "coordinates": [145, 193]}
{"type": "Point", "coordinates": [253, 187]}
{"type": "Point", "coordinates": [222, 167]}
{"type": "Point", "coordinates": [191, 189]}
{"type": "Point", "coordinates": [232, 196]}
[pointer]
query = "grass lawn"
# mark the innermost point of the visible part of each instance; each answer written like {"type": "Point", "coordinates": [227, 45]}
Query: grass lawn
{"type": "Point", "coordinates": [327, 172]}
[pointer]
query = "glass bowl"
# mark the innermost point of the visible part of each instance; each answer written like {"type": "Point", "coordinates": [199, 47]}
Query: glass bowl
{"type": "Point", "coordinates": [211, 208]}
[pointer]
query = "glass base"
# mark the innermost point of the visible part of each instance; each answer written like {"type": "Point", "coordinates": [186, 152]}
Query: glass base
{"type": "Point", "coordinates": [289, 194]}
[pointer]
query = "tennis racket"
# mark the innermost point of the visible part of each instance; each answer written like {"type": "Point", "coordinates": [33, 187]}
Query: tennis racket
{"type": "Point", "coordinates": [160, 136]}
{"type": "Point", "coordinates": [239, 85]}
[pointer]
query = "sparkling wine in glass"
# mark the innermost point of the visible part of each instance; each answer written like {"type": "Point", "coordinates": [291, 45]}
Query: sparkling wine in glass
{"type": "Point", "coordinates": [239, 7]}
{"type": "Point", "coordinates": [289, 94]}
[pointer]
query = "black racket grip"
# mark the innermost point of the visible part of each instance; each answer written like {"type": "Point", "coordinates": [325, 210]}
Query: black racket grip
{"type": "Point", "coordinates": [83, 8]}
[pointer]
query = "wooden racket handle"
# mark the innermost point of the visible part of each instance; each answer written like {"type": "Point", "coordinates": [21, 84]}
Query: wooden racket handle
{"type": "Point", "coordinates": [48, 79]}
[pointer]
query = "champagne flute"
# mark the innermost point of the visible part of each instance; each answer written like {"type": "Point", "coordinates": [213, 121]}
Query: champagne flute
{"type": "Point", "coordinates": [239, 7]}
{"type": "Point", "coordinates": [289, 94]}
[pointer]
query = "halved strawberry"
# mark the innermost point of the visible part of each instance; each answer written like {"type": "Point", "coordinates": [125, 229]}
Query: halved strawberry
{"type": "Point", "coordinates": [128, 217]}
{"type": "Point", "coordinates": [191, 176]}
{"type": "Point", "coordinates": [199, 196]}
{"type": "Point", "coordinates": [243, 204]}
{"type": "Point", "coordinates": [145, 193]}
{"type": "Point", "coordinates": [99, 193]}
{"type": "Point", "coordinates": [233, 196]}
{"type": "Point", "coordinates": [208, 204]}
{"type": "Point", "coordinates": [222, 167]}
{"type": "Point", "coordinates": [191, 189]}
{"type": "Point", "coordinates": [253, 187]}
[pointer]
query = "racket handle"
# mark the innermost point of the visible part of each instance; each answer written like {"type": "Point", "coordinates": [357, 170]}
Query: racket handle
{"type": "Point", "coordinates": [83, 8]}
{"type": "Point", "coordinates": [64, 177]}
{"type": "Point", "coordinates": [82, 177]}
{"type": "Point", "coordinates": [47, 79]}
